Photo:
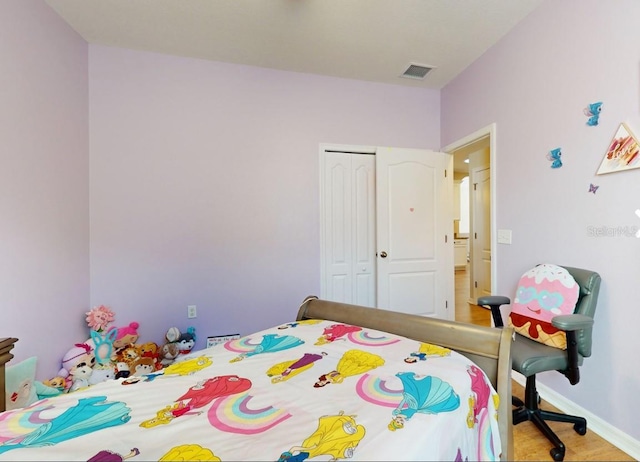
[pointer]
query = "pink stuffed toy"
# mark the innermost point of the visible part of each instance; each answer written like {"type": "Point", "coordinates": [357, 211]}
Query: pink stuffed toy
{"type": "Point", "coordinates": [126, 335]}
{"type": "Point", "coordinates": [80, 357]}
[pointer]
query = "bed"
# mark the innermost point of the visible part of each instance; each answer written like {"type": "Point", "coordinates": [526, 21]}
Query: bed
{"type": "Point", "coordinates": [339, 382]}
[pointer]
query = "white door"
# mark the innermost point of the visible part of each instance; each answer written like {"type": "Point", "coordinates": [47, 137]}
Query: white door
{"type": "Point", "coordinates": [349, 228]}
{"type": "Point", "coordinates": [481, 239]}
{"type": "Point", "coordinates": [414, 193]}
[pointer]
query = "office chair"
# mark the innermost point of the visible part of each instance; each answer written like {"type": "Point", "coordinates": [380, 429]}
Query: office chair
{"type": "Point", "coordinates": [530, 357]}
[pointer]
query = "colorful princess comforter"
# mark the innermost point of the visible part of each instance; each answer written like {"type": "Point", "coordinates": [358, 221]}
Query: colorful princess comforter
{"type": "Point", "coordinates": [308, 390]}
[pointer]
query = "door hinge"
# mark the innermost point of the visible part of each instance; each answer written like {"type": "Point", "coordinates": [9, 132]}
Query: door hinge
{"type": "Point", "coordinates": [445, 173]}
{"type": "Point", "coordinates": [445, 238]}
{"type": "Point", "coordinates": [475, 185]}
{"type": "Point", "coordinates": [446, 304]}
{"type": "Point", "coordinates": [475, 284]}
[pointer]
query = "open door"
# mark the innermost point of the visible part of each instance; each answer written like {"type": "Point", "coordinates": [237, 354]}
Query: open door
{"type": "Point", "coordinates": [481, 230]}
{"type": "Point", "coordinates": [414, 197]}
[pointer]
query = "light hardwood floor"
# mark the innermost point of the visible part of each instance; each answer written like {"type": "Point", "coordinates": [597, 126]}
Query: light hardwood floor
{"type": "Point", "coordinates": [529, 443]}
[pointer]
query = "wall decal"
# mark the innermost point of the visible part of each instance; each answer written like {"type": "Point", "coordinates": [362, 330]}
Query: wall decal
{"type": "Point", "coordinates": [555, 157]}
{"type": "Point", "coordinates": [622, 152]}
{"type": "Point", "coordinates": [593, 112]}
{"type": "Point", "coordinates": [593, 188]}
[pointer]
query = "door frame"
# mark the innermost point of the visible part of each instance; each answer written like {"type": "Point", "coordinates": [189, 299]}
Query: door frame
{"type": "Point", "coordinates": [488, 131]}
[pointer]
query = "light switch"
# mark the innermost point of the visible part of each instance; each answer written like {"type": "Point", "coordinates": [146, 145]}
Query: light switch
{"type": "Point", "coordinates": [504, 236]}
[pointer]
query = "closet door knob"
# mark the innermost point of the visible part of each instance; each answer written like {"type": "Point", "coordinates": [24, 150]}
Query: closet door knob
{"type": "Point", "coordinates": [383, 254]}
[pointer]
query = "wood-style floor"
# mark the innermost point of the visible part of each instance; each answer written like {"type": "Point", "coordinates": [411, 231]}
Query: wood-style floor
{"type": "Point", "coordinates": [529, 443]}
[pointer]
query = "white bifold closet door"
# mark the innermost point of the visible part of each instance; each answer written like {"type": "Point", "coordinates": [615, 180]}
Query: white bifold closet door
{"type": "Point", "coordinates": [387, 230]}
{"type": "Point", "coordinates": [349, 228]}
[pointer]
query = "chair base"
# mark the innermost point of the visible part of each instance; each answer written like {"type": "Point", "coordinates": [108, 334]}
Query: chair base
{"type": "Point", "coordinates": [529, 410]}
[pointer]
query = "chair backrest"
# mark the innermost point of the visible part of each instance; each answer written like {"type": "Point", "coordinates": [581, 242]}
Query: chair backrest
{"type": "Point", "coordinates": [589, 282]}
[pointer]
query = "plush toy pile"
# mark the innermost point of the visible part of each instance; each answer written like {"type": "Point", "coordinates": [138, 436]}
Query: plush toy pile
{"type": "Point", "coordinates": [114, 352]}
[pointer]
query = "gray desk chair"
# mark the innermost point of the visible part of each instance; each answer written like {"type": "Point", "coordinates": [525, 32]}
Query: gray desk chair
{"type": "Point", "coordinates": [530, 357]}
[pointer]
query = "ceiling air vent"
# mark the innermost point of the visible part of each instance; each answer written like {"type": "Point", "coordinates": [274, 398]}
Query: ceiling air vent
{"type": "Point", "coordinates": [416, 71]}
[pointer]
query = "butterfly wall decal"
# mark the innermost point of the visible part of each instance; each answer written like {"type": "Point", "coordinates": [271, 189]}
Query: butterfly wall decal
{"type": "Point", "coordinates": [555, 157]}
{"type": "Point", "coordinates": [593, 112]}
{"type": "Point", "coordinates": [593, 188]}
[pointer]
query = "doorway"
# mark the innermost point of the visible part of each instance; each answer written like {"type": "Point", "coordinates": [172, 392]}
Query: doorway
{"type": "Point", "coordinates": [474, 157]}
{"type": "Point", "coordinates": [386, 228]}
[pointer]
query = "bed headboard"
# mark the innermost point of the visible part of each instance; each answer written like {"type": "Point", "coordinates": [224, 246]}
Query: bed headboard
{"type": "Point", "coordinates": [489, 348]}
{"type": "Point", "coordinates": [6, 345]}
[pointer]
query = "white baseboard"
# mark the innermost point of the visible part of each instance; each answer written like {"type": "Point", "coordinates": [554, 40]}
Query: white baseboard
{"type": "Point", "coordinates": [607, 431]}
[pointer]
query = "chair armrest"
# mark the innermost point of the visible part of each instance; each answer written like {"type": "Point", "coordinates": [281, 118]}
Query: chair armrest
{"type": "Point", "coordinates": [494, 302]}
{"type": "Point", "coordinates": [571, 322]}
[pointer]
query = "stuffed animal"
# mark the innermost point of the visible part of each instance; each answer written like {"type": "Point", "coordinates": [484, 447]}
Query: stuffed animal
{"type": "Point", "coordinates": [125, 335]}
{"type": "Point", "coordinates": [102, 373]}
{"type": "Point", "coordinates": [99, 317]}
{"type": "Point", "coordinates": [46, 391]}
{"type": "Point", "coordinates": [122, 370]}
{"type": "Point", "coordinates": [128, 355]}
{"type": "Point", "coordinates": [173, 334]}
{"type": "Point", "coordinates": [102, 345]}
{"type": "Point", "coordinates": [55, 382]}
{"type": "Point", "coordinates": [168, 353]}
{"type": "Point", "coordinates": [170, 350]}
{"type": "Point", "coordinates": [144, 365]}
{"type": "Point", "coordinates": [151, 350]}
{"type": "Point", "coordinates": [187, 341]}
{"type": "Point", "coordinates": [148, 349]}
{"type": "Point", "coordinates": [80, 356]}
{"type": "Point", "coordinates": [80, 376]}
{"type": "Point", "coordinates": [101, 340]}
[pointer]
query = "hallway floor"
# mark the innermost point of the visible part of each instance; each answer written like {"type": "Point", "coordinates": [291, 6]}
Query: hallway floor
{"type": "Point", "coordinates": [465, 311]}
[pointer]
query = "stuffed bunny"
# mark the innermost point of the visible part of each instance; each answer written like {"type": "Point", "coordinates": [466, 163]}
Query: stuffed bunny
{"type": "Point", "coordinates": [102, 345]}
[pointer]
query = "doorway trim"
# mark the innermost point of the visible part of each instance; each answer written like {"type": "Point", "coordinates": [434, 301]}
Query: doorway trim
{"type": "Point", "coordinates": [488, 131]}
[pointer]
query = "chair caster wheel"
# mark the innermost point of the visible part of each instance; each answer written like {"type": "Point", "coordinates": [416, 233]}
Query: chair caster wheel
{"type": "Point", "coordinates": [580, 429]}
{"type": "Point", "coordinates": [557, 454]}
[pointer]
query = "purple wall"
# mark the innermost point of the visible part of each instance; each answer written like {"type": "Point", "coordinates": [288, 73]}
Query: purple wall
{"type": "Point", "coordinates": [44, 205]}
{"type": "Point", "coordinates": [534, 85]}
{"type": "Point", "coordinates": [205, 183]}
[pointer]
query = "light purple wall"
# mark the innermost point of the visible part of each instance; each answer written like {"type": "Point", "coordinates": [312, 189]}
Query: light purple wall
{"type": "Point", "coordinates": [534, 85]}
{"type": "Point", "coordinates": [44, 204]}
{"type": "Point", "coordinates": [205, 183]}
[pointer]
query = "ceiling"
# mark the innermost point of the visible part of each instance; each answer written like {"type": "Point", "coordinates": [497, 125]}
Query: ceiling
{"type": "Point", "coordinates": [370, 40]}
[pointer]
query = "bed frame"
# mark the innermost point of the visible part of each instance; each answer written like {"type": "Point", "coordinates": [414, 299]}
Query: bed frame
{"type": "Point", "coordinates": [488, 347]}
{"type": "Point", "coordinates": [6, 345]}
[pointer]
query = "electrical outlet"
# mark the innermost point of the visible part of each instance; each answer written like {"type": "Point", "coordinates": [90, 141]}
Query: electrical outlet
{"type": "Point", "coordinates": [192, 312]}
